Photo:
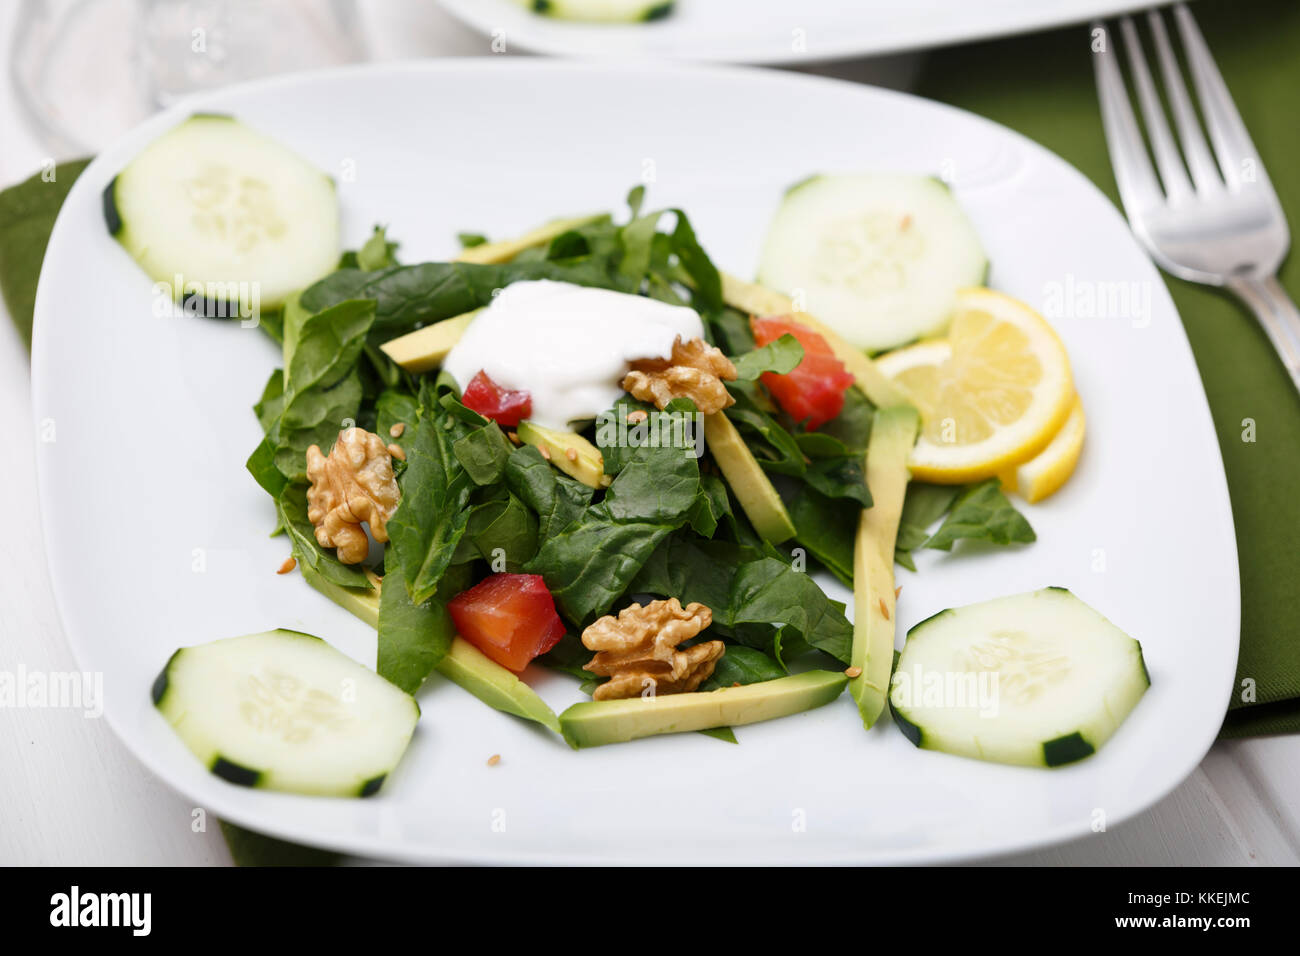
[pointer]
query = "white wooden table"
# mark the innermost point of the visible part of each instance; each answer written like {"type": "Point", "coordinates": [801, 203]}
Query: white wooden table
{"type": "Point", "coordinates": [71, 794]}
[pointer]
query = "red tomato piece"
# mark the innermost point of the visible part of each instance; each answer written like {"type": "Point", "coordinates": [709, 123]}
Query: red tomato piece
{"type": "Point", "coordinates": [813, 392]}
{"type": "Point", "coordinates": [509, 617]}
{"type": "Point", "coordinates": [499, 404]}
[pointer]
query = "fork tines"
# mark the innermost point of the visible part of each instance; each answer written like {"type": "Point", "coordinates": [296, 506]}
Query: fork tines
{"type": "Point", "coordinates": [1237, 161]}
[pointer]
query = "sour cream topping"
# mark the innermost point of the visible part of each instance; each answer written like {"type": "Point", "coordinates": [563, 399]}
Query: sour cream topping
{"type": "Point", "coordinates": [567, 345]}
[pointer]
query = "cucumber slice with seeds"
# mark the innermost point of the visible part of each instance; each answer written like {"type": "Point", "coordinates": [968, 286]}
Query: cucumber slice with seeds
{"type": "Point", "coordinates": [283, 710]}
{"type": "Point", "coordinates": [1037, 679]}
{"type": "Point", "coordinates": [220, 212]}
{"type": "Point", "coordinates": [877, 257]}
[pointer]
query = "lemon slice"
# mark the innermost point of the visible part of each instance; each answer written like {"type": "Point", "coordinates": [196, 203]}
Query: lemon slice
{"type": "Point", "coordinates": [1043, 474]}
{"type": "Point", "coordinates": [991, 395]}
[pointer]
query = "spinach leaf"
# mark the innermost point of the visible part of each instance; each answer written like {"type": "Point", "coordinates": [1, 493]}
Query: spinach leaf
{"type": "Point", "coordinates": [656, 485]}
{"type": "Point", "coordinates": [731, 332]}
{"type": "Point", "coordinates": [314, 417]}
{"type": "Point", "coordinates": [769, 591]}
{"type": "Point", "coordinates": [468, 240]}
{"type": "Point", "coordinates": [261, 465]}
{"type": "Point", "coordinates": [483, 453]}
{"type": "Point", "coordinates": [406, 296]}
{"type": "Point", "coordinates": [271, 404]}
{"type": "Point", "coordinates": [742, 665]}
{"type": "Point", "coordinates": [773, 446]}
{"type": "Point", "coordinates": [431, 516]}
{"type": "Point", "coordinates": [414, 638]}
{"type": "Point", "coordinates": [839, 478]}
{"type": "Point", "coordinates": [317, 393]}
{"type": "Point", "coordinates": [637, 241]}
{"type": "Point", "coordinates": [923, 506]}
{"type": "Point", "coordinates": [852, 426]}
{"type": "Point", "coordinates": [692, 569]}
{"type": "Point", "coordinates": [711, 507]}
{"type": "Point", "coordinates": [291, 506]}
{"type": "Point", "coordinates": [395, 407]}
{"type": "Point", "coordinates": [556, 499]}
{"type": "Point", "coordinates": [589, 564]}
{"type": "Point", "coordinates": [982, 512]}
{"type": "Point", "coordinates": [827, 527]}
{"type": "Point", "coordinates": [705, 281]}
{"type": "Point", "coordinates": [780, 356]}
{"type": "Point", "coordinates": [501, 527]}
{"type": "Point", "coordinates": [725, 734]}
{"type": "Point", "coordinates": [376, 253]}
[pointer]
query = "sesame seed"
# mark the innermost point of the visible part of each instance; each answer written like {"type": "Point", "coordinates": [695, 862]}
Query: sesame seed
{"type": "Point", "coordinates": [513, 436]}
{"type": "Point", "coordinates": [289, 565]}
{"type": "Point", "coordinates": [546, 452]}
{"type": "Point", "coordinates": [396, 430]}
{"type": "Point", "coordinates": [853, 672]}
{"type": "Point", "coordinates": [897, 591]}
{"type": "Point", "coordinates": [494, 760]}
{"type": "Point", "coordinates": [396, 452]}
{"type": "Point", "coordinates": [637, 416]}
{"type": "Point", "coordinates": [884, 609]}
{"type": "Point", "coordinates": [571, 454]}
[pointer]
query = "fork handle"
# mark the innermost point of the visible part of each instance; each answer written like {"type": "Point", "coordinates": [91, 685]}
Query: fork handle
{"type": "Point", "coordinates": [1279, 316]}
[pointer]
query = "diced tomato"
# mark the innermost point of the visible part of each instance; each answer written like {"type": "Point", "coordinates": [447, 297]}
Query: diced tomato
{"type": "Point", "coordinates": [509, 617]}
{"type": "Point", "coordinates": [813, 392]}
{"type": "Point", "coordinates": [499, 404]}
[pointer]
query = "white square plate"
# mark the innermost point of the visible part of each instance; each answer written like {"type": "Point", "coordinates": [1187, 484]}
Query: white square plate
{"type": "Point", "coordinates": [158, 537]}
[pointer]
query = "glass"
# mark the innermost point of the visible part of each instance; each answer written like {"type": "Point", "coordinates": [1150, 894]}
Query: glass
{"type": "Point", "coordinates": [87, 70]}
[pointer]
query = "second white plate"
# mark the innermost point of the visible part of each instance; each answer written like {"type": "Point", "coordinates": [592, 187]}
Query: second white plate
{"type": "Point", "coordinates": [778, 31]}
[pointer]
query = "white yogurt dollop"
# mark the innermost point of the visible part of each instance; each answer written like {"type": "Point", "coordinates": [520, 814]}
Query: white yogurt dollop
{"type": "Point", "coordinates": [567, 345]}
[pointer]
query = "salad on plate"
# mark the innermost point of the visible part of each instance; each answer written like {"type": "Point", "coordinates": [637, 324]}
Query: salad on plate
{"type": "Point", "coordinates": [588, 449]}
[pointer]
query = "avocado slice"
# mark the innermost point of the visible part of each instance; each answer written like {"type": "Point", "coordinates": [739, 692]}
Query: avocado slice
{"type": "Point", "coordinates": [892, 435]}
{"type": "Point", "coordinates": [464, 664]}
{"type": "Point", "coordinates": [427, 348]}
{"type": "Point", "coordinates": [503, 250]}
{"type": "Point", "coordinates": [567, 451]}
{"type": "Point", "coordinates": [754, 299]}
{"type": "Point", "coordinates": [762, 504]}
{"type": "Point", "coordinates": [493, 684]}
{"type": "Point", "coordinates": [597, 722]}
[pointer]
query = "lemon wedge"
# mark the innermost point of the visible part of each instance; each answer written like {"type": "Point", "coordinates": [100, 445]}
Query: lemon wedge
{"type": "Point", "coordinates": [1043, 474]}
{"type": "Point", "coordinates": [991, 395]}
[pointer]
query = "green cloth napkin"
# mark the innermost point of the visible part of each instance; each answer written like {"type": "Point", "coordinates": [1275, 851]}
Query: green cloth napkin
{"type": "Point", "coordinates": [1042, 85]}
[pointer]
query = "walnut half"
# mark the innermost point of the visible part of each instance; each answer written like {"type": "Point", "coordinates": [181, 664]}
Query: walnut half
{"type": "Point", "coordinates": [638, 649]}
{"type": "Point", "coordinates": [696, 370]}
{"type": "Point", "coordinates": [354, 483]}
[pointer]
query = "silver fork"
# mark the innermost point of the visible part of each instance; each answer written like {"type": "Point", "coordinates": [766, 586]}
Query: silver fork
{"type": "Point", "coordinates": [1223, 226]}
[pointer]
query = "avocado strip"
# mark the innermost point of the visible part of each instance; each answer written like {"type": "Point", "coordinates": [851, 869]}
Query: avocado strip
{"type": "Point", "coordinates": [763, 506]}
{"type": "Point", "coordinates": [503, 250]}
{"type": "Point", "coordinates": [464, 664]}
{"type": "Point", "coordinates": [598, 722]}
{"type": "Point", "coordinates": [893, 432]}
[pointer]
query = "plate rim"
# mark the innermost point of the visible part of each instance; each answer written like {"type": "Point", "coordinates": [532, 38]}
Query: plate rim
{"type": "Point", "coordinates": [215, 798]}
{"type": "Point", "coordinates": [1041, 18]}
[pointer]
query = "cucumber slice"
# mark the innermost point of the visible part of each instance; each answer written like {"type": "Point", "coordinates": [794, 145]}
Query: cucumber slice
{"type": "Point", "coordinates": [877, 257]}
{"type": "Point", "coordinates": [220, 212]}
{"type": "Point", "coordinates": [1037, 679]}
{"type": "Point", "coordinates": [602, 11]}
{"type": "Point", "coordinates": [285, 711]}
